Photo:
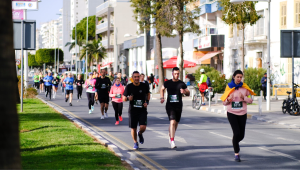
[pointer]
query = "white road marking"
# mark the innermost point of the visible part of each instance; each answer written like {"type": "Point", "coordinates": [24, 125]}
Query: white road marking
{"type": "Point", "coordinates": [280, 154]}
{"type": "Point", "coordinates": [187, 125]}
{"type": "Point", "coordinates": [165, 136]}
{"type": "Point", "coordinates": [291, 140]}
{"type": "Point", "coordinates": [224, 136]}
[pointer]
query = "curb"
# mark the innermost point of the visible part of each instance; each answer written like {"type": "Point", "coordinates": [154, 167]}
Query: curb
{"type": "Point", "coordinates": [93, 134]}
{"type": "Point", "coordinates": [249, 116]}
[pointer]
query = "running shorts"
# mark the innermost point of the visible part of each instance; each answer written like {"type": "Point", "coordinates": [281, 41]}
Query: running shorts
{"type": "Point", "coordinates": [174, 113]}
{"type": "Point", "coordinates": [69, 91]}
{"type": "Point", "coordinates": [41, 81]}
{"type": "Point", "coordinates": [103, 98]}
{"type": "Point", "coordinates": [137, 118]}
{"type": "Point", "coordinates": [55, 85]}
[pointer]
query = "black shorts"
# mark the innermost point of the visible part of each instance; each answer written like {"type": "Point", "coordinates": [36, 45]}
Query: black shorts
{"type": "Point", "coordinates": [103, 99]}
{"type": "Point", "coordinates": [41, 82]}
{"type": "Point", "coordinates": [174, 113]}
{"type": "Point", "coordinates": [69, 91]}
{"type": "Point", "coordinates": [137, 118]}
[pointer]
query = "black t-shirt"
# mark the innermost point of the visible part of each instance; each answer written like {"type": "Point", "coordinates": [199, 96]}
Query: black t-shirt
{"type": "Point", "coordinates": [174, 97]}
{"type": "Point", "coordinates": [103, 85]}
{"type": "Point", "coordinates": [140, 95]}
{"type": "Point", "coordinates": [79, 82]}
{"type": "Point", "coordinates": [55, 81]}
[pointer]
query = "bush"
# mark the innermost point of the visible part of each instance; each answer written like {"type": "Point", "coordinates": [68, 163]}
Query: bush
{"type": "Point", "coordinates": [30, 92]}
{"type": "Point", "coordinates": [252, 78]}
{"type": "Point", "coordinates": [218, 81]}
{"type": "Point", "coordinates": [31, 61]}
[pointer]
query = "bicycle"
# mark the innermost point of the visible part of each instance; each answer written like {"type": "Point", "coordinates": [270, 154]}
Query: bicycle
{"type": "Point", "coordinates": [291, 105]}
{"type": "Point", "coordinates": [197, 99]}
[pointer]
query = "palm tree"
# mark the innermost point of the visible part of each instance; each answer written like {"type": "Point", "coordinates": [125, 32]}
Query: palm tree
{"type": "Point", "coordinates": [94, 50]}
{"type": "Point", "coordinates": [10, 157]}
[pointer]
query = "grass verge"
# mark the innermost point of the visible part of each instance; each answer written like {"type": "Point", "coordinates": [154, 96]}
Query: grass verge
{"type": "Point", "coordinates": [49, 141]}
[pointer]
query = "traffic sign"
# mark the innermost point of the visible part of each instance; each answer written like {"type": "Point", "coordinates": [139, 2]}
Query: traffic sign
{"type": "Point", "coordinates": [18, 62]}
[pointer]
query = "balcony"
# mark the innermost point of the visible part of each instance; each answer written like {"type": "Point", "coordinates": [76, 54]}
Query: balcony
{"type": "Point", "coordinates": [206, 1]}
{"type": "Point", "coordinates": [102, 26]}
{"type": "Point", "coordinates": [110, 3]}
{"type": "Point", "coordinates": [104, 43]}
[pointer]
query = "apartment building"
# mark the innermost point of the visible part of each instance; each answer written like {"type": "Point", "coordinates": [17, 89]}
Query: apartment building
{"type": "Point", "coordinates": [50, 34]}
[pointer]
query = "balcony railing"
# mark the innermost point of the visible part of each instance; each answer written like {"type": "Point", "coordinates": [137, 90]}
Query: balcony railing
{"type": "Point", "coordinates": [102, 25]}
{"type": "Point", "coordinates": [104, 42]}
{"type": "Point", "coordinates": [110, 3]}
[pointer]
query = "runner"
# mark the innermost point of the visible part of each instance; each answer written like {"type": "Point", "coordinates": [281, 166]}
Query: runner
{"type": "Point", "coordinates": [69, 81]}
{"type": "Point", "coordinates": [46, 74]}
{"type": "Point", "coordinates": [41, 77]}
{"type": "Point", "coordinates": [142, 79]}
{"type": "Point", "coordinates": [202, 84]}
{"type": "Point", "coordinates": [90, 91]}
{"type": "Point", "coordinates": [96, 75]}
{"type": "Point", "coordinates": [116, 93]}
{"type": "Point", "coordinates": [36, 81]}
{"type": "Point", "coordinates": [235, 98]}
{"type": "Point", "coordinates": [103, 86]}
{"type": "Point", "coordinates": [48, 84]}
{"type": "Point", "coordinates": [175, 88]}
{"type": "Point", "coordinates": [138, 94]}
{"type": "Point", "coordinates": [55, 83]}
{"type": "Point", "coordinates": [79, 81]}
{"type": "Point", "coordinates": [63, 86]}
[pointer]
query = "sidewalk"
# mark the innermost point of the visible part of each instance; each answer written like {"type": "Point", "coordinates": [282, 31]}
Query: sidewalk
{"type": "Point", "coordinates": [274, 116]}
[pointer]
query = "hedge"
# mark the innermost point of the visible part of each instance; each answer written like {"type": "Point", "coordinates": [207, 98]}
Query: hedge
{"type": "Point", "coordinates": [47, 56]}
{"type": "Point", "coordinates": [31, 61]}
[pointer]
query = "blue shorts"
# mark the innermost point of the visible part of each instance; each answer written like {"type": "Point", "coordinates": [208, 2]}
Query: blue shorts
{"type": "Point", "coordinates": [55, 85]}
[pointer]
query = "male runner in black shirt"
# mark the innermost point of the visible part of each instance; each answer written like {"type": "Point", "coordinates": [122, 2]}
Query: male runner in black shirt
{"type": "Point", "coordinates": [138, 94]}
{"type": "Point", "coordinates": [175, 89]}
{"type": "Point", "coordinates": [103, 86]}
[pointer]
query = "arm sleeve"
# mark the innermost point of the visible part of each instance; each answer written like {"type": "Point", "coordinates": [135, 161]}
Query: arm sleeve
{"type": "Point", "coordinates": [126, 91]}
{"type": "Point", "coordinates": [111, 93]}
{"type": "Point", "coordinates": [166, 84]}
{"type": "Point", "coordinates": [262, 81]}
{"type": "Point", "coordinates": [201, 79]}
{"type": "Point", "coordinates": [184, 86]}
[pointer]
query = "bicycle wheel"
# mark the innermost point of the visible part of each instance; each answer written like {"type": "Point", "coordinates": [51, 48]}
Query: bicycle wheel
{"type": "Point", "coordinates": [284, 107]}
{"type": "Point", "coordinates": [198, 102]}
{"type": "Point", "coordinates": [294, 110]}
{"type": "Point", "coordinates": [194, 101]}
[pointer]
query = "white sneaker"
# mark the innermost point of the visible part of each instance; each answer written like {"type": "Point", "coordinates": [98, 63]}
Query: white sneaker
{"type": "Point", "coordinates": [102, 117]}
{"type": "Point", "coordinates": [90, 112]}
{"type": "Point", "coordinates": [92, 108]}
{"type": "Point", "coordinates": [173, 145]}
{"type": "Point", "coordinates": [106, 116]}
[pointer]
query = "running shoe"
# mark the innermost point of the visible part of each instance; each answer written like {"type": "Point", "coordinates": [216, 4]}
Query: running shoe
{"type": "Point", "coordinates": [102, 117]}
{"type": "Point", "coordinates": [203, 104]}
{"type": "Point", "coordinates": [136, 146]}
{"type": "Point", "coordinates": [173, 145]}
{"type": "Point", "coordinates": [70, 104]}
{"type": "Point", "coordinates": [141, 138]}
{"type": "Point", "coordinates": [46, 94]}
{"type": "Point", "coordinates": [66, 99]}
{"type": "Point", "coordinates": [237, 158]}
{"type": "Point", "coordinates": [120, 118]}
{"type": "Point", "coordinates": [117, 123]}
{"type": "Point", "coordinates": [90, 112]}
{"type": "Point", "coordinates": [106, 115]}
{"type": "Point", "coordinates": [92, 108]}
{"type": "Point", "coordinates": [96, 102]}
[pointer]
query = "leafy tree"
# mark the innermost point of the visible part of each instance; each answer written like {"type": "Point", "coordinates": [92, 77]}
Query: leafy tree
{"type": "Point", "coordinates": [182, 20]}
{"type": "Point", "coordinates": [240, 14]}
{"type": "Point", "coordinates": [46, 55]}
{"type": "Point", "coordinates": [31, 60]}
{"type": "Point", "coordinates": [81, 29]}
{"type": "Point", "coordinates": [94, 50]}
{"type": "Point", "coordinates": [148, 13]}
{"type": "Point", "coordinates": [252, 78]}
{"type": "Point", "coordinates": [10, 157]}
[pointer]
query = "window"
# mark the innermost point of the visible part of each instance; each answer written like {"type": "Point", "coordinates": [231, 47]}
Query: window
{"type": "Point", "coordinates": [297, 13]}
{"type": "Point", "coordinates": [260, 23]}
{"type": "Point", "coordinates": [282, 15]}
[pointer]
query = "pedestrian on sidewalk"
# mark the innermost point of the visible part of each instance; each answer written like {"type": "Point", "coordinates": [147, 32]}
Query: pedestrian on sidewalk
{"type": "Point", "coordinates": [202, 84]}
{"type": "Point", "coordinates": [116, 93]}
{"type": "Point", "coordinates": [235, 98]}
{"type": "Point", "coordinates": [263, 82]}
{"type": "Point", "coordinates": [90, 91]}
{"type": "Point", "coordinates": [175, 88]}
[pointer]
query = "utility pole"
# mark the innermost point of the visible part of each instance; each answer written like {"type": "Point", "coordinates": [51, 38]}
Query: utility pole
{"type": "Point", "coordinates": [87, 39]}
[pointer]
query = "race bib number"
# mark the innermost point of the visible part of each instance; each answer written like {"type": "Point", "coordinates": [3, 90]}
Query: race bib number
{"type": "Point", "coordinates": [78, 84]}
{"type": "Point", "coordinates": [36, 79]}
{"type": "Point", "coordinates": [237, 105]}
{"type": "Point", "coordinates": [118, 96]}
{"type": "Point", "coordinates": [103, 86]}
{"type": "Point", "coordinates": [70, 83]}
{"type": "Point", "coordinates": [138, 103]}
{"type": "Point", "coordinates": [54, 82]}
{"type": "Point", "coordinates": [90, 87]}
{"type": "Point", "coordinates": [173, 98]}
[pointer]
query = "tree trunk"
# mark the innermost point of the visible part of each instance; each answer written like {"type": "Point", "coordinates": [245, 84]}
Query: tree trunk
{"type": "Point", "coordinates": [181, 55]}
{"type": "Point", "coordinates": [161, 75]}
{"type": "Point", "coordinates": [243, 51]}
{"type": "Point", "coordinates": [10, 157]}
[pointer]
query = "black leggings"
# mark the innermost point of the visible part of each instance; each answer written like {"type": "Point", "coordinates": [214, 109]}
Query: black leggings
{"type": "Point", "coordinates": [37, 85]}
{"type": "Point", "coordinates": [48, 90]}
{"type": "Point", "coordinates": [118, 107]}
{"type": "Point", "coordinates": [91, 97]}
{"type": "Point", "coordinates": [238, 125]}
{"type": "Point", "coordinates": [79, 91]}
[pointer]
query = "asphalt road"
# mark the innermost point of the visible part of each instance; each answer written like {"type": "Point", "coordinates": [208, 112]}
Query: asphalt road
{"type": "Point", "coordinates": [203, 139]}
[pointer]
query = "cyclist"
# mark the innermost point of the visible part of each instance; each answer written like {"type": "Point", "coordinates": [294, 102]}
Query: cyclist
{"type": "Point", "coordinates": [235, 98]}
{"type": "Point", "coordinates": [202, 84]}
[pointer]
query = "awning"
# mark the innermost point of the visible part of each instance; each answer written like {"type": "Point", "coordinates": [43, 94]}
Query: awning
{"type": "Point", "coordinates": [172, 62]}
{"type": "Point", "coordinates": [106, 65]}
{"type": "Point", "coordinates": [209, 55]}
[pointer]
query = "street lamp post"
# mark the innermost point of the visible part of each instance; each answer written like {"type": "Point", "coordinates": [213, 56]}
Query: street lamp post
{"type": "Point", "coordinates": [87, 39]}
{"type": "Point", "coordinates": [268, 45]}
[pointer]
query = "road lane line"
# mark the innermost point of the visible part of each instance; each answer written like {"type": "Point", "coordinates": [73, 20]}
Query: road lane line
{"type": "Point", "coordinates": [115, 138]}
{"type": "Point", "coordinates": [280, 154]}
{"type": "Point", "coordinates": [166, 136]}
{"type": "Point", "coordinates": [187, 125]}
{"type": "Point", "coordinates": [146, 164]}
{"type": "Point", "coordinates": [224, 136]}
{"type": "Point", "coordinates": [291, 140]}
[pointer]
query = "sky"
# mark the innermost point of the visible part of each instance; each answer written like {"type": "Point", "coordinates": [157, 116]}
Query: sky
{"type": "Point", "coordinates": [47, 10]}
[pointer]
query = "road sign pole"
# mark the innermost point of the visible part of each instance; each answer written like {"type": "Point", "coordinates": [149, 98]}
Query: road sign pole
{"type": "Point", "coordinates": [293, 65]}
{"type": "Point", "coordinates": [22, 81]}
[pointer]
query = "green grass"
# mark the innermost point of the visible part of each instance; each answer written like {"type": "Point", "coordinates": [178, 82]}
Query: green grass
{"type": "Point", "coordinates": [49, 141]}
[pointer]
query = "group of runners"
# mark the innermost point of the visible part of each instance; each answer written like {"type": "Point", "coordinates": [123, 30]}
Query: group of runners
{"type": "Point", "coordinates": [138, 95]}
